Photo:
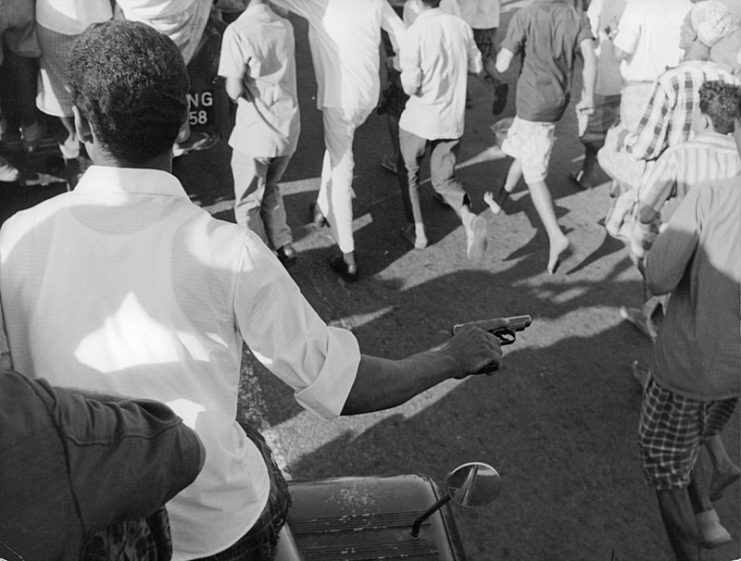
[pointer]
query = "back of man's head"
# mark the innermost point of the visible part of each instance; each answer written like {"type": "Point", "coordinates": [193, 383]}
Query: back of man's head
{"type": "Point", "coordinates": [721, 102]}
{"type": "Point", "coordinates": [129, 81]}
{"type": "Point", "coordinates": [431, 3]}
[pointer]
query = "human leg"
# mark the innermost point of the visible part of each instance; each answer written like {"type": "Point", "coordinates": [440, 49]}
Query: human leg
{"type": "Point", "coordinates": [249, 175]}
{"type": "Point", "coordinates": [272, 209]}
{"type": "Point", "coordinates": [725, 471]}
{"type": "Point", "coordinates": [443, 157]}
{"type": "Point", "coordinates": [412, 149]}
{"type": "Point", "coordinates": [558, 242]}
{"type": "Point", "coordinates": [670, 434]}
{"type": "Point", "coordinates": [335, 193]}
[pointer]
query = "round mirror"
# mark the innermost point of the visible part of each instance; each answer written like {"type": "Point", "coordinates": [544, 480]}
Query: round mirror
{"type": "Point", "coordinates": [474, 484]}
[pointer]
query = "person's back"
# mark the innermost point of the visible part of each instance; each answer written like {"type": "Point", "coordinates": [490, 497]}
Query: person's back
{"type": "Point", "coordinates": [700, 332]}
{"type": "Point", "coordinates": [442, 46]}
{"type": "Point", "coordinates": [344, 38]}
{"type": "Point", "coordinates": [548, 34]}
{"type": "Point", "coordinates": [648, 33]}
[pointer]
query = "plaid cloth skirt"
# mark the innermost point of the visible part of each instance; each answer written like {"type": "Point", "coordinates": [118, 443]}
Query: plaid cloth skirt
{"type": "Point", "coordinates": [672, 429]}
{"type": "Point", "coordinates": [146, 539]}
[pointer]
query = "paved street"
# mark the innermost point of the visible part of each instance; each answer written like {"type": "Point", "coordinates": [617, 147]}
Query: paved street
{"type": "Point", "coordinates": [559, 422]}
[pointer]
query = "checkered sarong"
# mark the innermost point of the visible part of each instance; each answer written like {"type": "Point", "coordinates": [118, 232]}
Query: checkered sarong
{"type": "Point", "coordinates": [671, 430]}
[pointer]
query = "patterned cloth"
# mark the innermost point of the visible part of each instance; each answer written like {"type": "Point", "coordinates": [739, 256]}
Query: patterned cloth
{"type": "Point", "coordinates": [671, 430]}
{"type": "Point", "coordinates": [706, 157]}
{"type": "Point", "coordinates": [667, 119]}
{"type": "Point", "coordinates": [132, 540]}
{"type": "Point", "coordinates": [531, 143]}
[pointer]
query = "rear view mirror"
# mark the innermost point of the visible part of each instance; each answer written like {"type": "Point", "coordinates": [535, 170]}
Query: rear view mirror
{"type": "Point", "coordinates": [473, 484]}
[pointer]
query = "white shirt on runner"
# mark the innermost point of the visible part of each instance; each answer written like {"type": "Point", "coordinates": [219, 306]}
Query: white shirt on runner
{"type": "Point", "coordinates": [258, 48]}
{"type": "Point", "coordinates": [412, 10]}
{"type": "Point", "coordinates": [345, 38]}
{"type": "Point", "coordinates": [649, 32]}
{"type": "Point", "coordinates": [436, 54]}
{"type": "Point", "coordinates": [125, 286]}
{"type": "Point", "coordinates": [481, 14]}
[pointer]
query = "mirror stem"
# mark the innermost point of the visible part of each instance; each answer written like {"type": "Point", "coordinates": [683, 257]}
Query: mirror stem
{"type": "Point", "coordinates": [418, 523]}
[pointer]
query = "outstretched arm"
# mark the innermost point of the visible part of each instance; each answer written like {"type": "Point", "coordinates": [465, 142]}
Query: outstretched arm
{"type": "Point", "coordinates": [382, 383]}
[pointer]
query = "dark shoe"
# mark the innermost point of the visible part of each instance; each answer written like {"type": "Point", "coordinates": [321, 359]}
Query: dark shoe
{"type": "Point", "coordinates": [287, 255]}
{"type": "Point", "coordinates": [500, 98]}
{"type": "Point", "coordinates": [578, 178]}
{"type": "Point", "coordinates": [347, 272]}
{"type": "Point", "coordinates": [317, 218]}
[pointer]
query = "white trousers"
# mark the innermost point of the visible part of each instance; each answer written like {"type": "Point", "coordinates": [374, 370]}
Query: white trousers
{"type": "Point", "coordinates": [335, 188]}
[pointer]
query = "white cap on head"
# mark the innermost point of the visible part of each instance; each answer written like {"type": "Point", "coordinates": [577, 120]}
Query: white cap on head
{"type": "Point", "coordinates": [711, 20]}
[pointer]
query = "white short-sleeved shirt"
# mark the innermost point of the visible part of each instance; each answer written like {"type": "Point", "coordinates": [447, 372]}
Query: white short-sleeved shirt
{"type": "Point", "coordinates": [435, 56]}
{"type": "Point", "coordinates": [481, 14]}
{"type": "Point", "coordinates": [345, 38]}
{"type": "Point", "coordinates": [411, 10]}
{"type": "Point", "coordinates": [71, 17]}
{"type": "Point", "coordinates": [259, 48]}
{"type": "Point", "coordinates": [649, 32]}
{"type": "Point", "coordinates": [124, 286]}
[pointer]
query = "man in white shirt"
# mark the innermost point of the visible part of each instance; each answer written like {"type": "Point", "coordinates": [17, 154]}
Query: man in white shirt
{"type": "Point", "coordinates": [345, 38]}
{"type": "Point", "coordinates": [435, 56]}
{"type": "Point", "coordinates": [647, 43]}
{"type": "Point", "coordinates": [124, 286]}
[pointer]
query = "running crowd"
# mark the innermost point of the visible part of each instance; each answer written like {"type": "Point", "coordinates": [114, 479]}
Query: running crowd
{"type": "Point", "coordinates": [126, 291]}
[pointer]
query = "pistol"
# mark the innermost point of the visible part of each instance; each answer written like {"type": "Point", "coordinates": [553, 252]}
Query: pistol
{"type": "Point", "coordinates": [504, 328]}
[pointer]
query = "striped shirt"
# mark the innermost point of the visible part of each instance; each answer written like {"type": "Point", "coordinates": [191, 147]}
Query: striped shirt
{"type": "Point", "coordinates": [707, 157]}
{"type": "Point", "coordinates": [667, 118]}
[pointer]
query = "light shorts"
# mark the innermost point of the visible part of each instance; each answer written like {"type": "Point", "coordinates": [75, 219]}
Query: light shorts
{"type": "Point", "coordinates": [671, 430]}
{"type": "Point", "coordinates": [532, 143]}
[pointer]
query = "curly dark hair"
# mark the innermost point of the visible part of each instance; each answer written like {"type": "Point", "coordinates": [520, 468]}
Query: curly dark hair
{"type": "Point", "coordinates": [129, 81]}
{"type": "Point", "coordinates": [721, 102]}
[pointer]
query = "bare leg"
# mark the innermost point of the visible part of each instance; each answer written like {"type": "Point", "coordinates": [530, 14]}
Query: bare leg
{"type": "Point", "coordinates": [543, 202]}
{"type": "Point", "coordinates": [725, 472]}
{"type": "Point", "coordinates": [514, 174]}
{"type": "Point", "coordinates": [679, 522]}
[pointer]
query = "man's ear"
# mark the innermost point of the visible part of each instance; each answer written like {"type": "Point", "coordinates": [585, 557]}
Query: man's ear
{"type": "Point", "coordinates": [82, 126]}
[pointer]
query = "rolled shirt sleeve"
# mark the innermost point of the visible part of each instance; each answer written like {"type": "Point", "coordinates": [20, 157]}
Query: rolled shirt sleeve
{"type": "Point", "coordinates": [286, 334]}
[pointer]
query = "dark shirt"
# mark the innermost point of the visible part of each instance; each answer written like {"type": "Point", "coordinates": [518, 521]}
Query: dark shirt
{"type": "Point", "coordinates": [698, 260]}
{"type": "Point", "coordinates": [70, 466]}
{"type": "Point", "coordinates": [547, 34]}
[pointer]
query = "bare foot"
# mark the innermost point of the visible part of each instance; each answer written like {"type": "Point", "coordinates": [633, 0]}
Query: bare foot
{"type": "Point", "coordinates": [476, 241]}
{"type": "Point", "coordinates": [722, 479]}
{"type": "Point", "coordinates": [493, 204]}
{"type": "Point", "coordinates": [557, 251]}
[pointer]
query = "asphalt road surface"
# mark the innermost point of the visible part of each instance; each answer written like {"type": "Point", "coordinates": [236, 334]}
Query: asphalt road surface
{"type": "Point", "coordinates": [559, 422]}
